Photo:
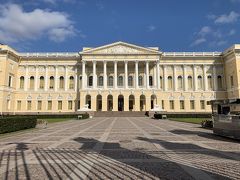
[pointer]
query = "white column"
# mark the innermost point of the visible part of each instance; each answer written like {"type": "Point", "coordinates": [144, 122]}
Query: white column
{"type": "Point", "coordinates": [158, 75]}
{"type": "Point", "coordinates": [185, 83]}
{"type": "Point", "coordinates": [147, 74]}
{"type": "Point", "coordinates": [76, 79]}
{"type": "Point", "coordinates": [56, 79]}
{"type": "Point", "coordinates": [215, 78]}
{"type": "Point", "coordinates": [126, 74]}
{"type": "Point", "coordinates": [66, 78]}
{"type": "Point", "coordinates": [36, 80]}
{"type": "Point", "coordinates": [136, 74]}
{"type": "Point", "coordinates": [94, 75]}
{"type": "Point", "coordinates": [165, 78]}
{"type": "Point", "coordinates": [83, 74]}
{"type": "Point", "coordinates": [195, 78]}
{"type": "Point", "coordinates": [174, 78]}
{"type": "Point", "coordinates": [115, 75]}
{"type": "Point", "coordinates": [205, 78]}
{"type": "Point", "coordinates": [155, 75]}
{"type": "Point", "coordinates": [26, 79]}
{"type": "Point", "coordinates": [104, 74]}
{"type": "Point", "coordinates": [46, 78]}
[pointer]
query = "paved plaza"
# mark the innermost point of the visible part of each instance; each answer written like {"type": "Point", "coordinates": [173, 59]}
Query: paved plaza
{"type": "Point", "coordinates": [119, 148]}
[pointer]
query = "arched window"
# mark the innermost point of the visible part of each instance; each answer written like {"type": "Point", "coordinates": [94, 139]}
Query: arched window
{"type": "Point", "coordinates": [180, 82]}
{"type": "Point", "coordinates": [200, 82]}
{"type": "Point", "coordinates": [31, 82]}
{"type": "Point", "coordinates": [71, 82]}
{"type": "Point", "coordinates": [110, 81]}
{"type": "Point", "coordinates": [209, 80]}
{"type": "Point", "coordinates": [219, 82]}
{"type": "Point", "coordinates": [190, 82]}
{"type": "Point", "coordinates": [100, 81]}
{"type": "Point", "coordinates": [140, 81]}
{"type": "Point", "coordinates": [90, 81]}
{"type": "Point", "coordinates": [170, 82]}
{"type": "Point", "coordinates": [61, 82]}
{"type": "Point", "coordinates": [41, 83]}
{"type": "Point", "coordinates": [51, 83]}
{"type": "Point", "coordinates": [150, 81]}
{"type": "Point", "coordinates": [120, 81]}
{"type": "Point", "coordinates": [130, 81]}
{"type": "Point", "coordinates": [21, 82]}
{"type": "Point", "coordinates": [161, 82]}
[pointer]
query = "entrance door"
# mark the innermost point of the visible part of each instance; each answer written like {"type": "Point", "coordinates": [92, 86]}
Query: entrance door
{"type": "Point", "coordinates": [130, 105]}
{"type": "Point", "coordinates": [120, 103]}
{"type": "Point", "coordinates": [110, 105]}
{"type": "Point", "coordinates": [141, 105]}
{"type": "Point", "coordinates": [99, 105]}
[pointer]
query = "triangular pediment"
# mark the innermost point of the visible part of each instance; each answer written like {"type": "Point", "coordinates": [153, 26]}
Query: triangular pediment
{"type": "Point", "coordinates": [120, 48]}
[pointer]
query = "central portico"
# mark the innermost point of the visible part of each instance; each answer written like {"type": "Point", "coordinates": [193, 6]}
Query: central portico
{"type": "Point", "coordinates": [120, 77]}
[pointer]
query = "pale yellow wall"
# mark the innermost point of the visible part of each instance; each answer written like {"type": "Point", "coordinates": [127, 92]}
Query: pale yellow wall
{"type": "Point", "coordinates": [12, 63]}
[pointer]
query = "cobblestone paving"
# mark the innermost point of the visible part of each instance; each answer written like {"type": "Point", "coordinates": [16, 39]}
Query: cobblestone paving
{"type": "Point", "coordinates": [119, 148]}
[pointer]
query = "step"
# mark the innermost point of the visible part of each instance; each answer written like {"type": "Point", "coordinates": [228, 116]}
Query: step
{"type": "Point", "coordinates": [119, 114]}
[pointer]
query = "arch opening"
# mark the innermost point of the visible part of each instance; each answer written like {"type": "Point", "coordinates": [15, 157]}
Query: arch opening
{"type": "Point", "coordinates": [99, 102]}
{"type": "Point", "coordinates": [109, 102]}
{"type": "Point", "coordinates": [142, 103]}
{"type": "Point", "coordinates": [120, 103]}
{"type": "Point", "coordinates": [131, 102]}
{"type": "Point", "coordinates": [88, 101]}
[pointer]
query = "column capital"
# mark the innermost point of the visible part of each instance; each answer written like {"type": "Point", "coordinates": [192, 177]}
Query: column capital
{"type": "Point", "coordinates": [126, 62]}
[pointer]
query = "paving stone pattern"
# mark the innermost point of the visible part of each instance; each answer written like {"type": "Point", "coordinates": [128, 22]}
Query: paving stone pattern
{"type": "Point", "coordinates": [119, 148]}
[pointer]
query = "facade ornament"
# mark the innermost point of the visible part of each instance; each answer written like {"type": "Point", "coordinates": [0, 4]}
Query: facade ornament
{"type": "Point", "coordinates": [120, 49]}
{"type": "Point", "coordinates": [29, 97]}
{"type": "Point", "coordinates": [59, 96]}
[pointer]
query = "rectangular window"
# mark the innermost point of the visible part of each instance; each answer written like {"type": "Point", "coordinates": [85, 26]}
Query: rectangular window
{"type": "Point", "coordinates": [49, 105]}
{"type": "Point", "coordinates": [202, 104]}
{"type": "Point", "coordinates": [9, 81]}
{"type": "Point", "coordinates": [59, 105]}
{"type": "Point", "coordinates": [29, 105]}
{"type": "Point", "coordinates": [19, 105]}
{"type": "Point", "coordinates": [192, 104]}
{"type": "Point", "coordinates": [171, 103]}
{"type": "Point", "coordinates": [162, 104]}
{"type": "Point", "coordinates": [70, 105]}
{"type": "Point", "coordinates": [231, 81]}
{"type": "Point", "coordinates": [182, 104]}
{"type": "Point", "coordinates": [39, 105]}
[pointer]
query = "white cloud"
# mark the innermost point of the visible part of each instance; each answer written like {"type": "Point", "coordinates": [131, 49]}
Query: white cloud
{"type": "Point", "coordinates": [217, 43]}
{"type": "Point", "coordinates": [18, 25]}
{"type": "Point", "coordinates": [151, 28]}
{"type": "Point", "coordinates": [227, 18]}
{"type": "Point", "coordinates": [232, 32]}
{"type": "Point", "coordinates": [204, 31]}
{"type": "Point", "coordinates": [198, 41]}
{"type": "Point", "coordinates": [50, 1]}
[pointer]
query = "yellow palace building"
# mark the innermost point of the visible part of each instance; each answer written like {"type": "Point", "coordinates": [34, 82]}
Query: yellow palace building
{"type": "Point", "coordinates": [116, 77]}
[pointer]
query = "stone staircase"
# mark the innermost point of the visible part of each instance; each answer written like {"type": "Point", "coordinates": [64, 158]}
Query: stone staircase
{"type": "Point", "coordinates": [119, 114]}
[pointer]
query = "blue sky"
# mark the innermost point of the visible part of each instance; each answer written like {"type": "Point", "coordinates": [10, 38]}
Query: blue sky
{"type": "Point", "coordinates": [69, 25]}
